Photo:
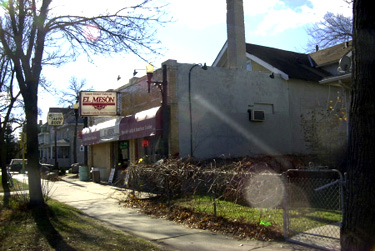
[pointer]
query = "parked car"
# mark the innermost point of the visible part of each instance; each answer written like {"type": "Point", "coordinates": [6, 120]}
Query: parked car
{"type": "Point", "coordinates": [15, 165]}
{"type": "Point", "coordinates": [44, 167]}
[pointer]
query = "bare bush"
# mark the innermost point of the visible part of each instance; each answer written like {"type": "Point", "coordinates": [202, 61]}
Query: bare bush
{"type": "Point", "coordinates": [221, 179]}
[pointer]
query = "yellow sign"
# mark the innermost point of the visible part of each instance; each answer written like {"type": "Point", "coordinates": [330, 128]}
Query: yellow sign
{"type": "Point", "coordinates": [55, 118]}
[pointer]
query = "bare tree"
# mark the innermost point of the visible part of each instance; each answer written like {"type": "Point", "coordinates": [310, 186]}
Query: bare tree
{"type": "Point", "coordinates": [332, 30]}
{"type": "Point", "coordinates": [31, 34]}
{"type": "Point", "coordinates": [71, 97]}
{"type": "Point", "coordinates": [358, 229]}
{"type": "Point", "coordinates": [8, 102]}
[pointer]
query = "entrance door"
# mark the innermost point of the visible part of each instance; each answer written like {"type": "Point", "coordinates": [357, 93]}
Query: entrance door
{"type": "Point", "coordinates": [123, 154]}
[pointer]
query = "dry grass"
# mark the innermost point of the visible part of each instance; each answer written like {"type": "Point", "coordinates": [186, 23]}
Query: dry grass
{"type": "Point", "coordinates": [61, 227]}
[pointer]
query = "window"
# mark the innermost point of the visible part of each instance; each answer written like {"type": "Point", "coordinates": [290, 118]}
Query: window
{"type": "Point", "coordinates": [249, 67]}
{"type": "Point", "coordinates": [63, 152]}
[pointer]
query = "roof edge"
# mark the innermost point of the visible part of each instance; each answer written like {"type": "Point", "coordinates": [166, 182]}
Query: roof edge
{"type": "Point", "coordinates": [220, 55]}
{"type": "Point", "coordinates": [268, 66]}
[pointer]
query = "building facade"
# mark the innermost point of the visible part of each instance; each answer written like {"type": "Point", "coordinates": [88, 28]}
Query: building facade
{"type": "Point", "coordinates": [217, 112]}
{"type": "Point", "coordinates": [253, 100]}
{"type": "Point", "coordinates": [63, 137]}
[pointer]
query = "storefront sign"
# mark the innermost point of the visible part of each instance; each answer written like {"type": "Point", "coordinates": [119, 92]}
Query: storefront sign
{"type": "Point", "coordinates": [124, 145]}
{"type": "Point", "coordinates": [98, 103]}
{"type": "Point", "coordinates": [55, 119]}
{"type": "Point", "coordinates": [145, 143]}
{"type": "Point", "coordinates": [90, 138]}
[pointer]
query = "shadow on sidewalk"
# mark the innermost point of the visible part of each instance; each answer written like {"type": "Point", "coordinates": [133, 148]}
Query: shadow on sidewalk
{"type": "Point", "coordinates": [73, 183]}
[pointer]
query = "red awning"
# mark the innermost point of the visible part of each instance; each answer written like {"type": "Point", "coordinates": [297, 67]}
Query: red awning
{"type": "Point", "coordinates": [142, 124]}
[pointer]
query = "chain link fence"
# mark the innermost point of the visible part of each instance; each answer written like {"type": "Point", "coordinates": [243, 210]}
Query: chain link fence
{"type": "Point", "coordinates": [234, 192]}
{"type": "Point", "coordinates": [313, 207]}
{"type": "Point", "coordinates": [305, 205]}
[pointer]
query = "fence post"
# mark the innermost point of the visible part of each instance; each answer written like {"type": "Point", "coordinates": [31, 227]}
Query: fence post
{"type": "Point", "coordinates": [214, 203]}
{"type": "Point", "coordinates": [168, 191]}
{"type": "Point", "coordinates": [285, 206]}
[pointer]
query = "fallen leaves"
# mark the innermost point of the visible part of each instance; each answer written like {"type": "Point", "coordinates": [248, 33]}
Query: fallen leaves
{"type": "Point", "coordinates": [199, 220]}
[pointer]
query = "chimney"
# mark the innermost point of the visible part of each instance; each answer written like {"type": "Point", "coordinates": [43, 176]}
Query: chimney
{"type": "Point", "coordinates": [236, 51]}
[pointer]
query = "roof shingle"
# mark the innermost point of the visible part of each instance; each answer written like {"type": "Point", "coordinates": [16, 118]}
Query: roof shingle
{"type": "Point", "coordinates": [296, 65]}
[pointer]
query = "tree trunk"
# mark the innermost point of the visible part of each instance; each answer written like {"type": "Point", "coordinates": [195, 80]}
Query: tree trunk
{"type": "Point", "coordinates": [31, 108]}
{"type": "Point", "coordinates": [358, 229]}
{"type": "Point", "coordinates": [6, 189]}
{"type": "Point", "coordinates": [4, 171]}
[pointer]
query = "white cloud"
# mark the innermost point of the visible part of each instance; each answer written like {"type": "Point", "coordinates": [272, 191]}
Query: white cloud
{"type": "Point", "coordinates": [276, 16]}
{"type": "Point", "coordinates": [279, 21]}
{"type": "Point", "coordinates": [335, 6]}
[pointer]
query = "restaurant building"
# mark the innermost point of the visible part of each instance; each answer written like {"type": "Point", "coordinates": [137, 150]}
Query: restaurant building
{"type": "Point", "coordinates": [253, 100]}
{"type": "Point", "coordinates": [210, 112]}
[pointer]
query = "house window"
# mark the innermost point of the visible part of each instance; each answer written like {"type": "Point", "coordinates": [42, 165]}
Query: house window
{"type": "Point", "coordinates": [249, 67]}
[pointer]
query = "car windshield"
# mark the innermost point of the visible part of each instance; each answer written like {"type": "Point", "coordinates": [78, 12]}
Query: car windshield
{"type": "Point", "coordinates": [18, 162]}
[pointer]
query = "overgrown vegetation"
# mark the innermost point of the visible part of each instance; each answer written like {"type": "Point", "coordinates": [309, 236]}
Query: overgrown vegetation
{"type": "Point", "coordinates": [324, 130]}
{"type": "Point", "coordinates": [243, 198]}
{"type": "Point", "coordinates": [60, 227]}
{"type": "Point", "coordinates": [226, 179]}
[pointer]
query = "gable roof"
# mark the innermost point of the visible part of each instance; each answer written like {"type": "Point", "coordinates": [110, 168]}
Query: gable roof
{"type": "Point", "coordinates": [295, 65]}
{"type": "Point", "coordinates": [332, 54]}
{"type": "Point", "coordinates": [292, 64]}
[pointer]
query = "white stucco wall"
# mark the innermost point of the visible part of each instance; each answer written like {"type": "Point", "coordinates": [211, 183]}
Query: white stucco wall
{"type": "Point", "coordinates": [220, 101]}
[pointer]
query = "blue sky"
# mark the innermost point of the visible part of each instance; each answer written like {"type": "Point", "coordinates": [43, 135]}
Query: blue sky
{"type": "Point", "coordinates": [196, 36]}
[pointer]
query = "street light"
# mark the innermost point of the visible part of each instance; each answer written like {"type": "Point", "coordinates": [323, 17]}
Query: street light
{"type": "Point", "coordinates": [75, 107]}
{"type": "Point", "coordinates": [164, 102]}
{"type": "Point", "coordinates": [161, 84]}
{"type": "Point", "coordinates": [204, 67]}
{"type": "Point", "coordinates": [85, 124]}
{"type": "Point", "coordinates": [150, 73]}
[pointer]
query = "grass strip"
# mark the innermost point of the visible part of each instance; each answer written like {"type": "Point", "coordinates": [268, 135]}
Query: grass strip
{"type": "Point", "coordinates": [302, 219]}
{"type": "Point", "coordinates": [61, 227]}
{"type": "Point", "coordinates": [17, 185]}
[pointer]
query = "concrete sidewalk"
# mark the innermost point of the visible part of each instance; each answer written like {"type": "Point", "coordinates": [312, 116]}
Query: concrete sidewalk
{"type": "Point", "coordinates": [101, 202]}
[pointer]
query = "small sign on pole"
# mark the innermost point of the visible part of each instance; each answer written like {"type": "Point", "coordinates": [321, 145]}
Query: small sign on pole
{"type": "Point", "coordinates": [55, 119]}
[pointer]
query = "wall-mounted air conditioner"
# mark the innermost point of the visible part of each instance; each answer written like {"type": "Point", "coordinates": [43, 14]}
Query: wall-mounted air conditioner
{"type": "Point", "coordinates": [256, 115]}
